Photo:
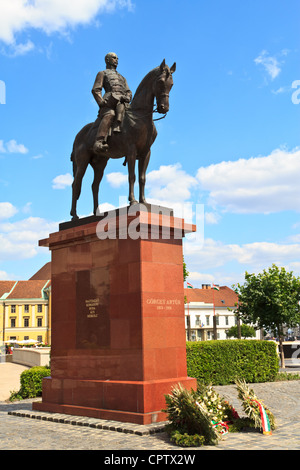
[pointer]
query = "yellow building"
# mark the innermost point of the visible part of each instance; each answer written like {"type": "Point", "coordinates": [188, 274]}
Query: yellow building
{"type": "Point", "coordinates": [25, 310]}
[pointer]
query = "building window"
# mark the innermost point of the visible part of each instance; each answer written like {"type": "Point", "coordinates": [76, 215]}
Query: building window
{"type": "Point", "coordinates": [12, 322]}
{"type": "Point", "coordinates": [26, 308]}
{"type": "Point", "coordinates": [26, 338]}
{"type": "Point", "coordinates": [197, 320]}
{"type": "Point", "coordinates": [40, 339]}
{"type": "Point", "coordinates": [26, 322]}
{"type": "Point", "coordinates": [217, 320]}
{"type": "Point", "coordinates": [12, 309]}
{"type": "Point", "coordinates": [226, 320]}
{"type": "Point", "coordinates": [40, 321]}
{"type": "Point", "coordinates": [40, 308]}
{"type": "Point", "coordinates": [207, 320]}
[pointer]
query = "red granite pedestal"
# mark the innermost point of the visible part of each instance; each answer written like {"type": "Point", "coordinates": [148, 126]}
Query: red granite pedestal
{"type": "Point", "coordinates": [118, 325]}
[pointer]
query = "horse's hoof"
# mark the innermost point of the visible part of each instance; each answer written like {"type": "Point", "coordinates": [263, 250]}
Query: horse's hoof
{"type": "Point", "coordinates": [133, 202]}
{"type": "Point", "coordinates": [75, 217]}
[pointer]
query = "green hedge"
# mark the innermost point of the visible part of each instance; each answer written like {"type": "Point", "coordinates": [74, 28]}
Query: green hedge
{"type": "Point", "coordinates": [31, 383]}
{"type": "Point", "coordinates": [221, 362]}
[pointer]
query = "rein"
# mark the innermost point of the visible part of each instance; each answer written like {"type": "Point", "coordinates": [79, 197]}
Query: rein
{"type": "Point", "coordinates": [152, 112]}
{"type": "Point", "coordinates": [158, 119]}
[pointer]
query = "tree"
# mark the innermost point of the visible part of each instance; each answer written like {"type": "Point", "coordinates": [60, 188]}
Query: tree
{"type": "Point", "coordinates": [270, 300]}
{"type": "Point", "coordinates": [185, 272]}
{"type": "Point", "coordinates": [247, 331]}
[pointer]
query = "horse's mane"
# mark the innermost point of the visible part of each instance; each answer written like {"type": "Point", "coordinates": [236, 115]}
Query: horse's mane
{"type": "Point", "coordinates": [145, 80]}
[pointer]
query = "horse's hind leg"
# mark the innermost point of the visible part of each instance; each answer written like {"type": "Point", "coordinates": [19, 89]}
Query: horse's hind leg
{"type": "Point", "coordinates": [98, 167]}
{"type": "Point", "coordinates": [81, 160]}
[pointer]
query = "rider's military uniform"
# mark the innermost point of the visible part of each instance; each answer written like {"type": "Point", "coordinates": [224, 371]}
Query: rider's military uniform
{"type": "Point", "coordinates": [112, 103]}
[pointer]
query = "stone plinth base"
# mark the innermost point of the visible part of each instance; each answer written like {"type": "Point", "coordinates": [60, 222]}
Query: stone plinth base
{"type": "Point", "coordinates": [134, 402]}
{"type": "Point", "coordinates": [118, 327]}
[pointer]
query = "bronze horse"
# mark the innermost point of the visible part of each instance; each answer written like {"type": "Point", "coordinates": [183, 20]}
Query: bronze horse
{"type": "Point", "coordinates": [133, 143]}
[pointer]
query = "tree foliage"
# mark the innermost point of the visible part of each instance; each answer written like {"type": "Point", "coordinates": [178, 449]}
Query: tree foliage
{"type": "Point", "coordinates": [185, 271]}
{"type": "Point", "coordinates": [247, 331]}
{"type": "Point", "coordinates": [270, 299]}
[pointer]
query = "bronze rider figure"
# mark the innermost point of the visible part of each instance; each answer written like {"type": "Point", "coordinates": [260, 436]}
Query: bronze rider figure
{"type": "Point", "coordinates": [112, 104]}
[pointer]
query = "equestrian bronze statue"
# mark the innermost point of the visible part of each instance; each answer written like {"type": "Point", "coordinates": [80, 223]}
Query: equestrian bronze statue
{"type": "Point", "coordinates": [121, 129]}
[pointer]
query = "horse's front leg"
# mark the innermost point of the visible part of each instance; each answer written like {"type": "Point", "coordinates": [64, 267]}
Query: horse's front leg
{"type": "Point", "coordinates": [98, 167]}
{"type": "Point", "coordinates": [131, 159]}
{"type": "Point", "coordinates": [143, 164]}
{"type": "Point", "coordinates": [76, 190]}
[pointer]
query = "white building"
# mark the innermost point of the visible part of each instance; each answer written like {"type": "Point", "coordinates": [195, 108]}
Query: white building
{"type": "Point", "coordinates": [201, 306]}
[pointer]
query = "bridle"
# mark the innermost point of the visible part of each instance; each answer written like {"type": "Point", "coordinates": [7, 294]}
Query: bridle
{"type": "Point", "coordinates": [155, 110]}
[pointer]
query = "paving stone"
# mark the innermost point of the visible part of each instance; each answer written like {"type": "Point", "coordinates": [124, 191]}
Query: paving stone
{"type": "Point", "coordinates": [24, 429]}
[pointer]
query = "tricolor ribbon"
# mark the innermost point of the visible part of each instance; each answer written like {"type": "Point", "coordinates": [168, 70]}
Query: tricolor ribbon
{"type": "Point", "coordinates": [222, 425]}
{"type": "Point", "coordinates": [264, 419]}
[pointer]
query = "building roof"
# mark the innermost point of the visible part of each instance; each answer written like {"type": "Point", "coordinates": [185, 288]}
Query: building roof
{"type": "Point", "coordinates": [225, 297]}
{"type": "Point", "coordinates": [5, 288]}
{"type": "Point", "coordinates": [27, 289]}
{"type": "Point", "coordinates": [43, 273]}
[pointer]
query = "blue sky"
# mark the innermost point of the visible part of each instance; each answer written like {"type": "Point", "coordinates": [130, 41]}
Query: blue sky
{"type": "Point", "coordinates": [230, 142]}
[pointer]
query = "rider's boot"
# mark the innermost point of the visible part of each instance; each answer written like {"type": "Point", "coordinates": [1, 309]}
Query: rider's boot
{"type": "Point", "coordinates": [117, 127]}
{"type": "Point", "coordinates": [100, 145]}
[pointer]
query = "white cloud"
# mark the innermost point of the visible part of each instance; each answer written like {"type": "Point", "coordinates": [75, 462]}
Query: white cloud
{"type": "Point", "coordinates": [263, 184]}
{"type": "Point", "coordinates": [62, 181]}
{"type": "Point", "coordinates": [169, 186]}
{"type": "Point", "coordinates": [256, 256]}
{"type": "Point", "coordinates": [19, 240]}
{"type": "Point", "coordinates": [19, 49]}
{"type": "Point", "coordinates": [7, 210]}
{"type": "Point", "coordinates": [4, 276]}
{"type": "Point", "coordinates": [269, 63]}
{"type": "Point", "coordinates": [295, 238]}
{"type": "Point", "coordinates": [12, 147]}
{"type": "Point", "coordinates": [116, 179]}
{"type": "Point", "coordinates": [49, 16]}
{"type": "Point", "coordinates": [27, 208]}
{"type": "Point", "coordinates": [211, 218]}
{"type": "Point", "coordinates": [218, 277]}
{"type": "Point", "coordinates": [281, 90]}
{"type": "Point", "coordinates": [170, 183]}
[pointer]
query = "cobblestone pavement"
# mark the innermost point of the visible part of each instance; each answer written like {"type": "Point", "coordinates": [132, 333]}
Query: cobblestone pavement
{"type": "Point", "coordinates": [23, 433]}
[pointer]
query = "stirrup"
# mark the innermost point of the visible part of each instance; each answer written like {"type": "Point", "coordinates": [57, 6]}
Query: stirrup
{"type": "Point", "coordinates": [117, 128]}
{"type": "Point", "coordinates": [99, 146]}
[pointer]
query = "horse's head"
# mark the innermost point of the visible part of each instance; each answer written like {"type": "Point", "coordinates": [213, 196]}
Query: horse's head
{"type": "Point", "coordinates": [162, 86]}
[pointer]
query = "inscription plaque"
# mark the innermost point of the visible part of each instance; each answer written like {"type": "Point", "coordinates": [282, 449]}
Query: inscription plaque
{"type": "Point", "coordinates": [92, 310]}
